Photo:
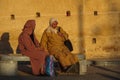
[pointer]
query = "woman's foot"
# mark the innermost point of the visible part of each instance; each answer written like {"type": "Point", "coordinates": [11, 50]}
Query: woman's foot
{"type": "Point", "coordinates": [66, 69]}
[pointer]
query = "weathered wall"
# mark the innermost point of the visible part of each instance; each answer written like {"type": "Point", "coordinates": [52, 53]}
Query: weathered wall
{"type": "Point", "coordinates": [103, 27]}
{"type": "Point", "coordinates": [95, 35]}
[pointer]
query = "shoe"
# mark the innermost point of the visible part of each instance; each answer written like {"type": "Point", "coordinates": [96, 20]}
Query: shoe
{"type": "Point", "coordinates": [67, 69]}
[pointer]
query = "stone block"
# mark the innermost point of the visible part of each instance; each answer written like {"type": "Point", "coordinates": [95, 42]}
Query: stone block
{"type": "Point", "coordinates": [82, 67]}
{"type": "Point", "coordinates": [8, 68]}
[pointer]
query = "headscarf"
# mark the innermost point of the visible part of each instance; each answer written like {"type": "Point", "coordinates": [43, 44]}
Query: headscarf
{"type": "Point", "coordinates": [50, 29]}
{"type": "Point", "coordinates": [29, 29]}
{"type": "Point", "coordinates": [52, 20]}
{"type": "Point", "coordinates": [28, 25]}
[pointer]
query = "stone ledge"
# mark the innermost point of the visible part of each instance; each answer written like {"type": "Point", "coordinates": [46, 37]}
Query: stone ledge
{"type": "Point", "coordinates": [106, 62]}
{"type": "Point", "coordinates": [14, 57]}
{"type": "Point", "coordinates": [20, 57]}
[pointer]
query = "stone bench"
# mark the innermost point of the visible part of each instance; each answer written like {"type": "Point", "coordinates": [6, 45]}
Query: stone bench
{"type": "Point", "coordinates": [19, 57]}
{"type": "Point", "coordinates": [8, 68]}
{"type": "Point", "coordinates": [9, 63]}
{"type": "Point", "coordinates": [15, 57]}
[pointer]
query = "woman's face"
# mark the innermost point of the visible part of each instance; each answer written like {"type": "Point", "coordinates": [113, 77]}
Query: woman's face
{"type": "Point", "coordinates": [31, 30]}
{"type": "Point", "coordinates": [54, 24]}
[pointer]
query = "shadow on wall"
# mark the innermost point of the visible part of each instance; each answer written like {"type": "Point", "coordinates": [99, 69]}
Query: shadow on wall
{"type": "Point", "coordinates": [81, 24]}
{"type": "Point", "coordinates": [5, 47]}
{"type": "Point", "coordinates": [18, 50]}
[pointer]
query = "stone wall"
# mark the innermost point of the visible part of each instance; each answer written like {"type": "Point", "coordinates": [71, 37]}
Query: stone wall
{"type": "Point", "coordinates": [101, 28]}
{"type": "Point", "coordinates": [93, 25]}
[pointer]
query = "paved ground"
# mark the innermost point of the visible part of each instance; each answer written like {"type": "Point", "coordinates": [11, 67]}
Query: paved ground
{"type": "Point", "coordinates": [93, 73]}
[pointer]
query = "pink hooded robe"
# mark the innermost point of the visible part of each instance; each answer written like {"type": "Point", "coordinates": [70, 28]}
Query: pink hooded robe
{"type": "Point", "coordinates": [30, 47]}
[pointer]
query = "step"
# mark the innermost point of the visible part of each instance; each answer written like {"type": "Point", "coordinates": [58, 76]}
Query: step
{"type": "Point", "coordinates": [106, 62]}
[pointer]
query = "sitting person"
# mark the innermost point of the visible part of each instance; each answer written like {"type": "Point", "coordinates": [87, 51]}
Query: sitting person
{"type": "Point", "coordinates": [53, 41]}
{"type": "Point", "coordinates": [29, 46]}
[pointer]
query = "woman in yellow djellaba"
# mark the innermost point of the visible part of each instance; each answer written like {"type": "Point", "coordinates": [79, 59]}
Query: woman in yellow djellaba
{"type": "Point", "coordinates": [53, 41]}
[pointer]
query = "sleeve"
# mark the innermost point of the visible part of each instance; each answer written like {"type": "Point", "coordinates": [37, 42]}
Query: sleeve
{"type": "Point", "coordinates": [44, 40]}
{"type": "Point", "coordinates": [20, 44]}
{"type": "Point", "coordinates": [64, 33]}
{"type": "Point", "coordinates": [36, 42]}
{"type": "Point", "coordinates": [27, 43]}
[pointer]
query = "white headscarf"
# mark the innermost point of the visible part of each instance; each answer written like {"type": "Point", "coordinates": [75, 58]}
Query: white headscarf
{"type": "Point", "coordinates": [50, 29]}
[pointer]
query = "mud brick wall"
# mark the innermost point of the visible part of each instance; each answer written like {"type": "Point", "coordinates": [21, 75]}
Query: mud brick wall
{"type": "Point", "coordinates": [93, 25]}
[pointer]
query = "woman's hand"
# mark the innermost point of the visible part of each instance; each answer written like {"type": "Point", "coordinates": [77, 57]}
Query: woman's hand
{"type": "Point", "coordinates": [60, 34]}
{"type": "Point", "coordinates": [41, 49]}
